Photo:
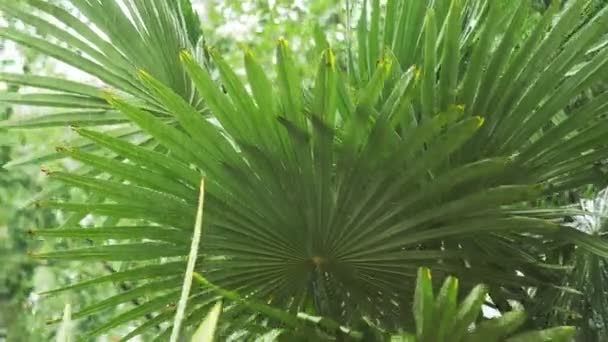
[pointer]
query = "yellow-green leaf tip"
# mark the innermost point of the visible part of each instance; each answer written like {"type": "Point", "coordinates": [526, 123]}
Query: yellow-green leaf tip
{"type": "Point", "coordinates": [249, 54]}
{"type": "Point", "coordinates": [110, 98]}
{"type": "Point", "coordinates": [200, 278]}
{"type": "Point", "coordinates": [143, 74]}
{"type": "Point", "coordinates": [185, 55]}
{"type": "Point", "coordinates": [386, 65]}
{"type": "Point", "coordinates": [283, 43]}
{"type": "Point", "coordinates": [480, 121]}
{"type": "Point", "coordinates": [330, 58]}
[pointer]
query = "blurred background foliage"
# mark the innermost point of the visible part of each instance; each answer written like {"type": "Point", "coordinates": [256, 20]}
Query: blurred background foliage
{"type": "Point", "coordinates": [23, 313]}
{"type": "Point", "coordinates": [229, 26]}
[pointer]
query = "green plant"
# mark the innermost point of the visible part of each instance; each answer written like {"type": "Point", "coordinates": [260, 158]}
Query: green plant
{"type": "Point", "coordinates": [438, 318]}
{"type": "Point", "coordinates": [324, 196]}
{"type": "Point", "coordinates": [588, 275]}
{"type": "Point", "coordinates": [442, 318]}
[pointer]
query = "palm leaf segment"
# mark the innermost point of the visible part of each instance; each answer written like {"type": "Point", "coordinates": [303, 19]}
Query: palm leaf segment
{"type": "Point", "coordinates": [108, 40]}
{"type": "Point", "coordinates": [327, 198]}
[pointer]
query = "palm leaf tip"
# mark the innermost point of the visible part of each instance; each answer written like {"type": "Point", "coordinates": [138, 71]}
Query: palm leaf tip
{"type": "Point", "coordinates": [185, 56]}
{"type": "Point", "coordinates": [330, 58]}
{"type": "Point", "coordinates": [144, 75]}
{"type": "Point", "coordinates": [283, 43]}
{"type": "Point", "coordinates": [110, 97]}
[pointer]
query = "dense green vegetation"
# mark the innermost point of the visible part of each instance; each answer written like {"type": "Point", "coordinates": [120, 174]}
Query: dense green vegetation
{"type": "Point", "coordinates": [448, 134]}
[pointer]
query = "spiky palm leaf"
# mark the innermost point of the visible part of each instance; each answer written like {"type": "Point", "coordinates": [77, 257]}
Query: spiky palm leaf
{"type": "Point", "coordinates": [519, 76]}
{"type": "Point", "coordinates": [110, 41]}
{"type": "Point", "coordinates": [326, 200]}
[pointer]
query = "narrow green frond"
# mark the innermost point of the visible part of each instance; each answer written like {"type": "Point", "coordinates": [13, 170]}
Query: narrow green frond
{"type": "Point", "coordinates": [187, 283]}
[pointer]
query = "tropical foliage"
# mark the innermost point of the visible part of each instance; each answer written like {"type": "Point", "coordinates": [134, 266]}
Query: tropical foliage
{"type": "Point", "coordinates": [588, 274]}
{"type": "Point", "coordinates": [441, 318]}
{"type": "Point", "coordinates": [432, 140]}
{"type": "Point", "coordinates": [438, 318]}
